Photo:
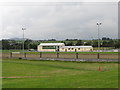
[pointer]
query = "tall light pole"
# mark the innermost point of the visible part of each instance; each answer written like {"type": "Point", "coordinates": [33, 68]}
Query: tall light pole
{"type": "Point", "coordinates": [98, 24]}
{"type": "Point", "coordinates": [23, 39]}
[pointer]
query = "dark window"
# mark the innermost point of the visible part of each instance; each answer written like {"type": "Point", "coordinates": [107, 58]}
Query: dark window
{"type": "Point", "coordinates": [78, 48]}
{"type": "Point", "coordinates": [48, 47]}
{"type": "Point", "coordinates": [72, 48]}
{"type": "Point", "coordinates": [68, 48]}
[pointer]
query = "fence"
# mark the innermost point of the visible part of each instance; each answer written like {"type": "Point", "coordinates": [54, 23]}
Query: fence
{"type": "Point", "coordinates": [60, 55]}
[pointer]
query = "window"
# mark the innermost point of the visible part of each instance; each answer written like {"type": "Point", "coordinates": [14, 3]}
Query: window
{"type": "Point", "coordinates": [78, 48]}
{"type": "Point", "coordinates": [48, 47]}
{"type": "Point", "coordinates": [72, 48]}
{"type": "Point", "coordinates": [68, 48]}
{"type": "Point", "coordinates": [62, 48]}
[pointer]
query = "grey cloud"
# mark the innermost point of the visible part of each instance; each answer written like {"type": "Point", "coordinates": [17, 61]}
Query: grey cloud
{"type": "Point", "coordinates": [60, 22]}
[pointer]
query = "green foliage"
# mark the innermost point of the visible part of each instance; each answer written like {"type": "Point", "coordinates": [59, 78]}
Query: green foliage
{"type": "Point", "coordinates": [95, 43]}
{"type": "Point", "coordinates": [27, 44]}
{"type": "Point", "coordinates": [32, 44]}
{"type": "Point", "coordinates": [5, 44]}
{"type": "Point", "coordinates": [70, 43]}
{"type": "Point", "coordinates": [88, 43]}
{"type": "Point", "coordinates": [79, 43]}
{"type": "Point", "coordinates": [117, 44]}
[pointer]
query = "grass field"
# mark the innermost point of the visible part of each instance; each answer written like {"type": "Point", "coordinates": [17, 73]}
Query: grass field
{"type": "Point", "coordinates": [58, 74]}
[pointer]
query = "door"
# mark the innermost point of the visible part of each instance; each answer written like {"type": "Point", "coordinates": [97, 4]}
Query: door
{"type": "Point", "coordinates": [65, 50]}
{"type": "Point", "coordinates": [57, 48]}
{"type": "Point", "coordinates": [75, 50]}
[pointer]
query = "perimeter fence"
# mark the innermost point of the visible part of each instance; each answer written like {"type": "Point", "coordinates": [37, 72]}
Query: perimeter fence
{"type": "Point", "coordinates": [60, 55]}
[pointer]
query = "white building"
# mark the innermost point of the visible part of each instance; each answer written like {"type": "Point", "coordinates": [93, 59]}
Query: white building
{"type": "Point", "coordinates": [50, 47]}
{"type": "Point", "coordinates": [60, 47]}
{"type": "Point", "coordinates": [76, 49]}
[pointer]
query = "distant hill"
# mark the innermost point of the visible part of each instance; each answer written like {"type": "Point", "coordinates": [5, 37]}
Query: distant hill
{"type": "Point", "coordinates": [17, 38]}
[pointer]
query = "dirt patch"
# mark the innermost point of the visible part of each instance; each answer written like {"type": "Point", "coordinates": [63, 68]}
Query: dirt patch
{"type": "Point", "coordinates": [24, 77]}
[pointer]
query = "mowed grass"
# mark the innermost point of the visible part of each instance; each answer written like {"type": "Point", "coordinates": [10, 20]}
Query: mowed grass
{"type": "Point", "coordinates": [58, 74]}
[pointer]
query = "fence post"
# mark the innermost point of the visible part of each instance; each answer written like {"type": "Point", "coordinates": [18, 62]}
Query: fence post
{"type": "Point", "coordinates": [40, 54]}
{"type": "Point", "coordinates": [25, 55]}
{"type": "Point", "coordinates": [11, 55]}
{"type": "Point", "coordinates": [76, 55]}
{"type": "Point", "coordinates": [57, 54]}
{"type": "Point", "coordinates": [98, 55]}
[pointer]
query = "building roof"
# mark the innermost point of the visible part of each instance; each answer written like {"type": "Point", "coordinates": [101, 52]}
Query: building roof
{"type": "Point", "coordinates": [51, 44]}
{"type": "Point", "coordinates": [76, 47]}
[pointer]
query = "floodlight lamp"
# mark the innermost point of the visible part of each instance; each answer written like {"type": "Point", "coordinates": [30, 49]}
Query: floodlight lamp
{"type": "Point", "coordinates": [99, 23]}
{"type": "Point", "coordinates": [23, 28]}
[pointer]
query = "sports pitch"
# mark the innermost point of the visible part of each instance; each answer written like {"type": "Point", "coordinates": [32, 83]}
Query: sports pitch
{"type": "Point", "coordinates": [58, 74]}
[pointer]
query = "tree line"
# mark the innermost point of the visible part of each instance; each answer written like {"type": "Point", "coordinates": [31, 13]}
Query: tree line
{"type": "Point", "coordinates": [32, 44]}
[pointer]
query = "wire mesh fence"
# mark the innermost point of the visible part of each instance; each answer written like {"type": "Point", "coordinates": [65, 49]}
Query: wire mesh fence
{"type": "Point", "coordinates": [67, 55]}
{"type": "Point", "coordinates": [60, 55]}
{"type": "Point", "coordinates": [87, 56]}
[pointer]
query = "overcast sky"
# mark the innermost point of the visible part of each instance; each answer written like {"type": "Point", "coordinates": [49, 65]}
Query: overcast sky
{"type": "Point", "coordinates": [60, 20]}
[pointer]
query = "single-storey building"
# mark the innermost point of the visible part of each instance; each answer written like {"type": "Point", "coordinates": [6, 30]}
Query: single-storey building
{"type": "Point", "coordinates": [50, 47]}
{"type": "Point", "coordinates": [76, 49]}
{"type": "Point", "coordinates": [60, 47]}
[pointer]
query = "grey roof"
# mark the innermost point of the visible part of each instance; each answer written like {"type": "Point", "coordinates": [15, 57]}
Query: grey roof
{"type": "Point", "coordinates": [51, 44]}
{"type": "Point", "coordinates": [76, 47]}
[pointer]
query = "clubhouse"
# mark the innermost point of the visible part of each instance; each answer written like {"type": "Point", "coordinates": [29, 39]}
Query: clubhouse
{"type": "Point", "coordinates": [60, 47]}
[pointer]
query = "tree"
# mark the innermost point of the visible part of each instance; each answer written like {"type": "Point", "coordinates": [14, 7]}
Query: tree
{"type": "Point", "coordinates": [63, 42]}
{"type": "Point", "coordinates": [5, 44]}
{"type": "Point", "coordinates": [0, 44]}
{"type": "Point", "coordinates": [117, 44]}
{"type": "Point", "coordinates": [104, 38]}
{"type": "Point", "coordinates": [87, 43]}
{"type": "Point", "coordinates": [69, 44]}
{"type": "Point", "coordinates": [95, 43]}
{"type": "Point", "coordinates": [79, 42]}
{"type": "Point", "coordinates": [67, 40]}
{"type": "Point", "coordinates": [51, 39]}
{"type": "Point", "coordinates": [27, 43]}
{"type": "Point", "coordinates": [108, 43]}
{"type": "Point", "coordinates": [33, 45]}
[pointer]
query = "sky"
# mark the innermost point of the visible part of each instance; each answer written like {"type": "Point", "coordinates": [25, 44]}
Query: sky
{"type": "Point", "coordinates": [66, 20]}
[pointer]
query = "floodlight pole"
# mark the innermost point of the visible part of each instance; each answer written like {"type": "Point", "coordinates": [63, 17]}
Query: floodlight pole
{"type": "Point", "coordinates": [98, 24]}
{"type": "Point", "coordinates": [23, 40]}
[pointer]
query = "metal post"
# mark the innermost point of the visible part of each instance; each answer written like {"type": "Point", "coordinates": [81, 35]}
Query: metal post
{"type": "Point", "coordinates": [57, 54]}
{"type": "Point", "coordinates": [11, 55]}
{"type": "Point", "coordinates": [76, 55]}
{"type": "Point", "coordinates": [25, 55]}
{"type": "Point", "coordinates": [98, 56]}
{"type": "Point", "coordinates": [40, 54]}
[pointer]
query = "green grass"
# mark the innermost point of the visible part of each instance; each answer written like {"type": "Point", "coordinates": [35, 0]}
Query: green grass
{"type": "Point", "coordinates": [59, 74]}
